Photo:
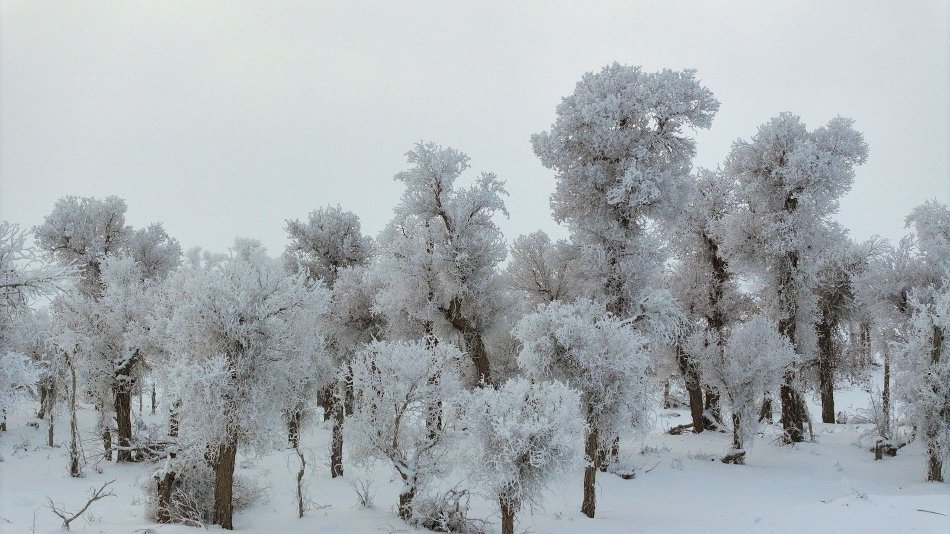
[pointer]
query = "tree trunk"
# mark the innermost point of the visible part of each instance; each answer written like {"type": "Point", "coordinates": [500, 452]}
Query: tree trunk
{"type": "Point", "coordinates": [886, 394]}
{"type": "Point", "coordinates": [405, 503]}
{"type": "Point", "coordinates": [3, 419]}
{"type": "Point", "coordinates": [293, 429]}
{"type": "Point", "coordinates": [765, 414]}
{"type": "Point", "coordinates": [694, 388]}
{"type": "Point", "coordinates": [935, 464]}
{"type": "Point", "coordinates": [793, 411]}
{"type": "Point", "coordinates": [336, 441]}
{"type": "Point", "coordinates": [165, 486]}
{"type": "Point", "coordinates": [507, 516]}
{"type": "Point", "coordinates": [44, 397]}
{"type": "Point", "coordinates": [154, 404]}
{"type": "Point", "coordinates": [474, 344]}
{"type": "Point", "coordinates": [826, 370]}
{"type": "Point", "coordinates": [74, 466]}
{"type": "Point", "coordinates": [106, 439]}
{"type": "Point", "coordinates": [123, 420]}
{"type": "Point", "coordinates": [592, 451]}
{"type": "Point", "coordinates": [49, 429]}
{"type": "Point", "coordinates": [224, 484]}
{"type": "Point", "coordinates": [173, 420]}
{"type": "Point", "coordinates": [712, 413]}
{"type": "Point", "coordinates": [300, 495]}
{"type": "Point", "coordinates": [141, 402]}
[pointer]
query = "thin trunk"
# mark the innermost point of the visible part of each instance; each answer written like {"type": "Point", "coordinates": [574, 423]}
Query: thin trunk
{"type": "Point", "coordinates": [165, 486]}
{"type": "Point", "coordinates": [694, 388]}
{"type": "Point", "coordinates": [154, 404]}
{"type": "Point", "coordinates": [667, 401]}
{"type": "Point", "coordinates": [3, 419]}
{"type": "Point", "coordinates": [300, 473]}
{"type": "Point", "coordinates": [507, 516]}
{"type": "Point", "coordinates": [765, 414]}
{"type": "Point", "coordinates": [886, 394]}
{"type": "Point", "coordinates": [173, 420]}
{"type": "Point", "coordinates": [736, 432]}
{"type": "Point", "coordinates": [826, 369]}
{"type": "Point", "coordinates": [592, 451]}
{"type": "Point", "coordinates": [712, 413]}
{"type": "Point", "coordinates": [74, 466]}
{"type": "Point", "coordinates": [106, 437]}
{"type": "Point", "coordinates": [935, 464]}
{"type": "Point", "coordinates": [224, 484]}
{"type": "Point", "coordinates": [141, 402]}
{"type": "Point", "coordinates": [44, 398]}
{"type": "Point", "coordinates": [405, 503]}
{"type": "Point", "coordinates": [49, 429]}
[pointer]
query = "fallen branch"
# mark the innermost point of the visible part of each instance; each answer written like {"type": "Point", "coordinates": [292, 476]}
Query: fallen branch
{"type": "Point", "coordinates": [68, 518]}
{"type": "Point", "coordinates": [679, 429]}
{"type": "Point", "coordinates": [930, 512]}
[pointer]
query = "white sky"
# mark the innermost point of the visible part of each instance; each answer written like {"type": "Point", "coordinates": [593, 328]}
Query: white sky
{"type": "Point", "coordinates": [223, 119]}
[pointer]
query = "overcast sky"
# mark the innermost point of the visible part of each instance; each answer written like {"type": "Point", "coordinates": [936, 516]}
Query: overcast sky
{"type": "Point", "coordinates": [224, 119]}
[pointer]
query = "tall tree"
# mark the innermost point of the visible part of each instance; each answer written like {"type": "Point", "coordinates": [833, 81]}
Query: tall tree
{"type": "Point", "coordinates": [789, 182]}
{"type": "Point", "coordinates": [438, 273]}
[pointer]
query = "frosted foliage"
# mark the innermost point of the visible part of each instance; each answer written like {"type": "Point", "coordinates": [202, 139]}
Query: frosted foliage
{"type": "Point", "coordinates": [523, 436]}
{"type": "Point", "coordinates": [18, 378]}
{"type": "Point", "coordinates": [351, 320]}
{"type": "Point", "coordinates": [329, 240]}
{"type": "Point", "coordinates": [752, 364]}
{"type": "Point", "coordinates": [439, 267]}
{"type": "Point", "coordinates": [543, 270]}
{"type": "Point", "coordinates": [396, 387]}
{"type": "Point", "coordinates": [595, 353]}
{"type": "Point", "coordinates": [156, 253]}
{"type": "Point", "coordinates": [244, 343]}
{"type": "Point", "coordinates": [83, 231]}
{"type": "Point", "coordinates": [931, 220]}
{"type": "Point", "coordinates": [24, 275]}
{"type": "Point", "coordinates": [789, 181]}
{"type": "Point", "coordinates": [618, 146]}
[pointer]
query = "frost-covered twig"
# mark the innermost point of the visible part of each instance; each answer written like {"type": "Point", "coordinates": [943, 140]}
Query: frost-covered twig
{"type": "Point", "coordinates": [67, 517]}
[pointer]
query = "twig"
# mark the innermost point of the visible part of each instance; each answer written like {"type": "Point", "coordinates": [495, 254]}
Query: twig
{"type": "Point", "coordinates": [930, 512]}
{"type": "Point", "coordinates": [68, 518]}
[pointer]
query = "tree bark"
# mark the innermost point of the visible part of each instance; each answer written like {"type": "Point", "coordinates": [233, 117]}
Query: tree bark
{"type": "Point", "coordinates": [75, 469]}
{"type": "Point", "coordinates": [935, 464]}
{"type": "Point", "coordinates": [106, 442]}
{"type": "Point", "coordinates": [826, 370]}
{"type": "Point", "coordinates": [507, 516]}
{"type": "Point", "coordinates": [49, 429]}
{"type": "Point", "coordinates": [293, 429]}
{"type": "Point", "coordinates": [165, 486]}
{"type": "Point", "coordinates": [690, 373]}
{"type": "Point", "coordinates": [592, 451]}
{"type": "Point", "coordinates": [793, 410]}
{"type": "Point", "coordinates": [405, 503]}
{"type": "Point", "coordinates": [173, 420]}
{"type": "Point", "coordinates": [224, 484]}
{"type": "Point", "coordinates": [474, 344]}
{"type": "Point", "coordinates": [886, 394]}
{"type": "Point", "coordinates": [336, 441]}
{"type": "Point", "coordinates": [712, 413]}
{"type": "Point", "coordinates": [123, 420]}
{"type": "Point", "coordinates": [154, 404]}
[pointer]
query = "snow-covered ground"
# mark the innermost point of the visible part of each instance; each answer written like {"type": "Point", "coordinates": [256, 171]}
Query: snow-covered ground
{"type": "Point", "coordinates": [830, 485]}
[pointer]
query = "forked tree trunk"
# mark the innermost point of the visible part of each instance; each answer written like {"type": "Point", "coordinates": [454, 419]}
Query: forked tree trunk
{"type": "Point", "coordinates": [826, 369]}
{"type": "Point", "coordinates": [224, 484]}
{"type": "Point", "coordinates": [592, 451]}
{"type": "Point", "coordinates": [935, 464]}
{"type": "Point", "coordinates": [507, 516]}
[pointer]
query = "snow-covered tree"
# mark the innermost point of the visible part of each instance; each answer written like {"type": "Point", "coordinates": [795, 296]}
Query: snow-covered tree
{"type": "Point", "coordinates": [789, 181]}
{"type": "Point", "coordinates": [621, 157]}
{"type": "Point", "coordinates": [18, 378]}
{"type": "Point", "coordinates": [599, 355]}
{"type": "Point", "coordinates": [753, 362]}
{"type": "Point", "coordinates": [523, 435]}
{"type": "Point", "coordinates": [542, 270]}
{"type": "Point", "coordinates": [703, 283]}
{"type": "Point", "coordinates": [329, 242]}
{"type": "Point", "coordinates": [924, 377]}
{"type": "Point", "coordinates": [34, 338]}
{"type": "Point", "coordinates": [82, 232]}
{"type": "Point", "coordinates": [241, 337]}
{"type": "Point", "coordinates": [438, 270]}
{"type": "Point", "coordinates": [396, 386]}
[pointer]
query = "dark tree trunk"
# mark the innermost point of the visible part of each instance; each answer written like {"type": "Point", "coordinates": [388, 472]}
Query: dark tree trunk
{"type": "Point", "coordinates": [141, 402]}
{"type": "Point", "coordinates": [474, 344]}
{"type": "Point", "coordinates": [793, 411]}
{"type": "Point", "coordinates": [694, 388]}
{"type": "Point", "coordinates": [165, 486]}
{"type": "Point", "coordinates": [736, 431]}
{"type": "Point", "coordinates": [107, 443]}
{"type": "Point", "coordinates": [507, 516]}
{"type": "Point", "coordinates": [765, 414]}
{"type": "Point", "coordinates": [935, 464]}
{"type": "Point", "coordinates": [75, 469]}
{"type": "Point", "coordinates": [224, 484]}
{"type": "Point", "coordinates": [712, 414]}
{"type": "Point", "coordinates": [44, 398]}
{"type": "Point", "coordinates": [405, 503]}
{"type": "Point", "coordinates": [325, 401]}
{"type": "Point", "coordinates": [173, 420]}
{"type": "Point", "coordinates": [826, 370]}
{"type": "Point", "coordinates": [154, 404]}
{"type": "Point", "coordinates": [49, 429]}
{"type": "Point", "coordinates": [293, 429]}
{"type": "Point", "coordinates": [336, 441]}
{"type": "Point", "coordinates": [123, 420]}
{"type": "Point", "coordinates": [592, 451]}
{"type": "Point", "coordinates": [3, 420]}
